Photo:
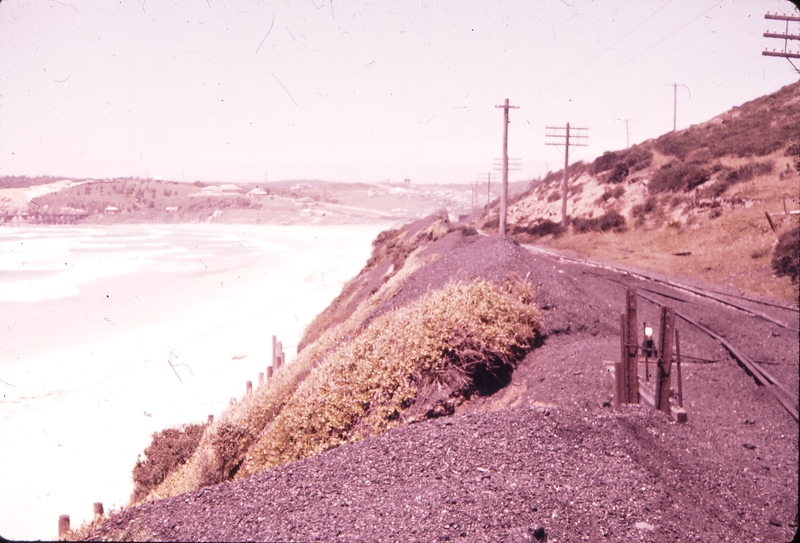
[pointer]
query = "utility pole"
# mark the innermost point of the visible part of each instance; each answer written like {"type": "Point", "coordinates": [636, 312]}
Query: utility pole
{"type": "Point", "coordinates": [675, 103]}
{"type": "Point", "coordinates": [504, 191]}
{"type": "Point", "coordinates": [788, 55]}
{"type": "Point", "coordinates": [566, 144]}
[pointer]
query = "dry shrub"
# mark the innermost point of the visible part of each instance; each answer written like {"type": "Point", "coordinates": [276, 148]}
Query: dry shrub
{"type": "Point", "coordinates": [228, 444]}
{"type": "Point", "coordinates": [420, 360]}
{"type": "Point", "coordinates": [167, 451]}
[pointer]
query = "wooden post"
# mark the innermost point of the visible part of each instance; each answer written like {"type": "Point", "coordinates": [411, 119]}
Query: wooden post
{"type": "Point", "coordinates": [270, 373]}
{"type": "Point", "coordinates": [620, 367]}
{"type": "Point", "coordinates": [666, 333]}
{"type": "Point", "coordinates": [274, 349]}
{"type": "Point", "coordinates": [769, 220]}
{"type": "Point", "coordinates": [98, 508]}
{"type": "Point", "coordinates": [260, 379]}
{"type": "Point", "coordinates": [63, 525]}
{"type": "Point", "coordinates": [678, 360]}
{"type": "Point", "coordinates": [249, 387]}
{"type": "Point", "coordinates": [632, 344]}
{"type": "Point", "coordinates": [210, 419]}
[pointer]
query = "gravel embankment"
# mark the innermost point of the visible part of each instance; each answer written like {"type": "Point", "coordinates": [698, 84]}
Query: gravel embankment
{"type": "Point", "coordinates": [542, 452]}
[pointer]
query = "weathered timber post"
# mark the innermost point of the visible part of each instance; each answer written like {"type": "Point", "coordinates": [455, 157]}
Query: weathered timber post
{"type": "Point", "coordinates": [632, 343]}
{"type": "Point", "coordinates": [678, 360]}
{"type": "Point", "coordinates": [210, 419]}
{"type": "Point", "coordinates": [270, 373]}
{"type": "Point", "coordinates": [98, 508]}
{"type": "Point", "coordinates": [666, 333]}
{"type": "Point", "coordinates": [620, 366]}
{"type": "Point", "coordinates": [274, 349]}
{"type": "Point", "coordinates": [281, 357]}
{"type": "Point", "coordinates": [260, 379]}
{"type": "Point", "coordinates": [248, 387]}
{"type": "Point", "coordinates": [63, 525]}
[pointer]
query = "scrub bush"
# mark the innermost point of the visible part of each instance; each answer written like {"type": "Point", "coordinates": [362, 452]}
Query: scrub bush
{"type": "Point", "coordinates": [786, 258]}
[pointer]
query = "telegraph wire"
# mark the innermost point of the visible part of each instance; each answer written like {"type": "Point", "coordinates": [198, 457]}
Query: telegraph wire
{"type": "Point", "coordinates": [612, 70]}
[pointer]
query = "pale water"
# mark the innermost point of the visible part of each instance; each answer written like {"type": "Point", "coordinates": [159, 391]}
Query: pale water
{"type": "Point", "coordinates": [108, 334]}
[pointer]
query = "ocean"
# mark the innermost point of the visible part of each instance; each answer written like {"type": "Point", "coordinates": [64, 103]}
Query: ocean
{"type": "Point", "coordinates": [110, 333]}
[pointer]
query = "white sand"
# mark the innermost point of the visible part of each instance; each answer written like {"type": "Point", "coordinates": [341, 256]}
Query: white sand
{"type": "Point", "coordinates": [88, 319]}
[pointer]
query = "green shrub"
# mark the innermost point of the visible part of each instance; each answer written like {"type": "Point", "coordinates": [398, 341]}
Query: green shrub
{"type": "Point", "coordinates": [786, 258]}
{"type": "Point", "coordinates": [542, 228]}
{"type": "Point", "coordinates": [714, 191]}
{"type": "Point", "coordinates": [619, 174]}
{"type": "Point", "coordinates": [641, 210]}
{"type": "Point", "coordinates": [167, 451]}
{"type": "Point", "coordinates": [605, 162]}
{"type": "Point", "coordinates": [748, 171]}
{"type": "Point", "coordinates": [678, 176]}
{"type": "Point", "coordinates": [611, 220]}
{"type": "Point", "coordinates": [616, 193]}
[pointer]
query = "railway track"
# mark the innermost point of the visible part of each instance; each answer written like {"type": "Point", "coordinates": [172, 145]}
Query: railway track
{"type": "Point", "coordinates": [787, 399]}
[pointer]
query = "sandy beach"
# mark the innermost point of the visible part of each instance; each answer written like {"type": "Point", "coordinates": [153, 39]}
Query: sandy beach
{"type": "Point", "coordinates": [112, 333]}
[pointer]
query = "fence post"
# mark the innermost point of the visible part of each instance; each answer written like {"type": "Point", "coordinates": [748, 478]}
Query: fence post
{"type": "Point", "coordinates": [632, 340]}
{"type": "Point", "coordinates": [63, 525]}
{"type": "Point", "coordinates": [274, 349]}
{"type": "Point", "coordinates": [270, 373]}
{"type": "Point", "coordinates": [248, 387]}
{"type": "Point", "coordinates": [678, 360]}
{"type": "Point", "coordinates": [620, 367]}
{"type": "Point", "coordinates": [98, 508]}
{"type": "Point", "coordinates": [260, 379]}
{"type": "Point", "coordinates": [666, 332]}
{"type": "Point", "coordinates": [210, 419]}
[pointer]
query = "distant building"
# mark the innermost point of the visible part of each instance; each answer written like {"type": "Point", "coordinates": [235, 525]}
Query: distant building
{"type": "Point", "coordinates": [407, 181]}
{"type": "Point", "coordinates": [111, 209]}
{"type": "Point", "coordinates": [172, 209]}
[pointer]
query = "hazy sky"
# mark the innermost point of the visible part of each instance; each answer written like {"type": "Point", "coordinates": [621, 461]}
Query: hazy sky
{"type": "Point", "coordinates": [361, 91]}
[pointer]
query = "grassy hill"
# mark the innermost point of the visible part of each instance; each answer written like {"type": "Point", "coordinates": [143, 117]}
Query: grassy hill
{"type": "Point", "coordinates": [47, 200]}
{"type": "Point", "coordinates": [692, 202]}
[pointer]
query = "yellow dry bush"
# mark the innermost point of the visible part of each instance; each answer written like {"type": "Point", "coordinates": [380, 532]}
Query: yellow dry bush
{"type": "Point", "coordinates": [353, 382]}
{"type": "Point", "coordinates": [445, 340]}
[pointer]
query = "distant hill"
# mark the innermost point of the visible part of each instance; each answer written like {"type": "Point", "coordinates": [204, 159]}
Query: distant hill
{"type": "Point", "coordinates": [692, 202]}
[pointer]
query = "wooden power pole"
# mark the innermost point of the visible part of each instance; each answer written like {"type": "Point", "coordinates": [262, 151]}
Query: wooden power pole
{"type": "Point", "coordinates": [675, 103]}
{"type": "Point", "coordinates": [786, 53]}
{"type": "Point", "coordinates": [504, 191]}
{"type": "Point", "coordinates": [566, 144]}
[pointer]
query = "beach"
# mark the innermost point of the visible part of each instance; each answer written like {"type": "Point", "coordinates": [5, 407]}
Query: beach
{"type": "Point", "coordinates": [112, 333]}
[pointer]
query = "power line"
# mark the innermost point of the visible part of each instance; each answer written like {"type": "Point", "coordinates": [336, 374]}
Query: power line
{"type": "Point", "coordinates": [607, 49]}
{"type": "Point", "coordinates": [612, 70]}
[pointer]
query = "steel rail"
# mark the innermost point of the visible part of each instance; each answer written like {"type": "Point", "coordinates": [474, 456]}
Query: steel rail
{"type": "Point", "coordinates": [672, 284]}
{"type": "Point", "coordinates": [762, 377]}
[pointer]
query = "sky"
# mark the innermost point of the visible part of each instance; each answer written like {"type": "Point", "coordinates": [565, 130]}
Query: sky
{"type": "Point", "coordinates": [248, 91]}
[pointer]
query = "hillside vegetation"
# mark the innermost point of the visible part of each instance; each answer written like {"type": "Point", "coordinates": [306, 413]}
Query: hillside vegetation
{"type": "Point", "coordinates": [691, 202]}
